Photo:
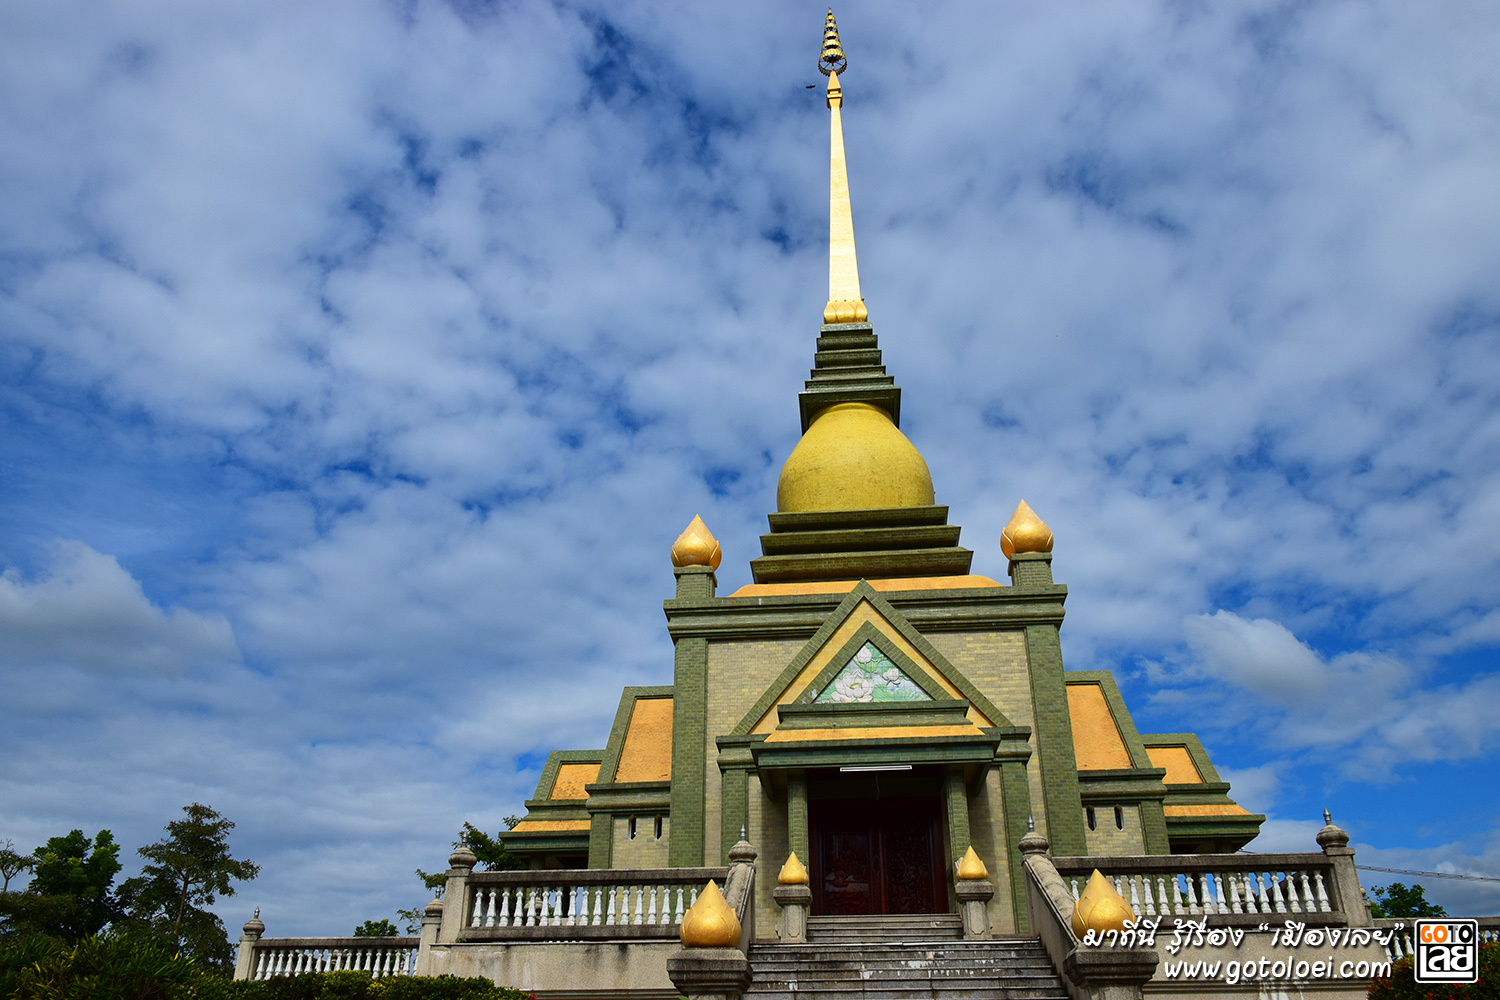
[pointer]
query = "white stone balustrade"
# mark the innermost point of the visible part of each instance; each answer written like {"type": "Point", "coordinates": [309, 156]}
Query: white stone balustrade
{"type": "Point", "coordinates": [583, 903]}
{"type": "Point", "coordinates": [1206, 885]}
{"type": "Point", "coordinates": [379, 957]}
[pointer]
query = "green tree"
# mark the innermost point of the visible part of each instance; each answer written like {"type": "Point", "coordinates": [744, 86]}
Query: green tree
{"type": "Point", "coordinates": [1400, 900]}
{"type": "Point", "coordinates": [71, 892]}
{"type": "Point", "coordinates": [489, 854]}
{"type": "Point", "coordinates": [13, 863]}
{"type": "Point", "coordinates": [376, 928]}
{"type": "Point", "coordinates": [187, 871]}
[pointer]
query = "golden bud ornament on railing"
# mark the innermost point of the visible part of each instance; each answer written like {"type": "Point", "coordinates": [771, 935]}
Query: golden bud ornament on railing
{"type": "Point", "coordinates": [1100, 908]}
{"type": "Point", "coordinates": [793, 872]}
{"type": "Point", "coordinates": [710, 923]}
{"type": "Point", "coordinates": [970, 868]}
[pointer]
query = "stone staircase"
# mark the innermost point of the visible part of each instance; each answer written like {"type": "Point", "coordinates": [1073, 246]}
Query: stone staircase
{"type": "Point", "coordinates": [901, 958]}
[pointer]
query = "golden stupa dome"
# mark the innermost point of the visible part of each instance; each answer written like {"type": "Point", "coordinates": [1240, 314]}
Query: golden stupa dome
{"type": "Point", "coordinates": [697, 546]}
{"type": "Point", "coordinates": [853, 458]}
{"type": "Point", "coordinates": [1025, 533]}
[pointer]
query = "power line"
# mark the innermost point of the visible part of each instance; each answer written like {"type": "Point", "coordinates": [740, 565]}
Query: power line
{"type": "Point", "coordinates": [1404, 871]}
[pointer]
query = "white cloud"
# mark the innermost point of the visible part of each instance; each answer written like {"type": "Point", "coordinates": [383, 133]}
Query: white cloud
{"type": "Point", "coordinates": [86, 611]}
{"type": "Point", "coordinates": [1368, 705]}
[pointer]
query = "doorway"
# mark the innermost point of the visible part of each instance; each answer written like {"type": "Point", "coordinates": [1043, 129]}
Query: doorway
{"type": "Point", "coordinates": [877, 856]}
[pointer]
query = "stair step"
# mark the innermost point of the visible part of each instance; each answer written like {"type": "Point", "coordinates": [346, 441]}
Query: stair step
{"type": "Point", "coordinates": [921, 957]}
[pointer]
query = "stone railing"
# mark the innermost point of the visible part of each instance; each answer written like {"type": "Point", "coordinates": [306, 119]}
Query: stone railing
{"type": "Point", "coordinates": [582, 903]}
{"type": "Point", "coordinates": [1401, 941]}
{"type": "Point", "coordinates": [1216, 884]}
{"type": "Point", "coordinates": [379, 956]}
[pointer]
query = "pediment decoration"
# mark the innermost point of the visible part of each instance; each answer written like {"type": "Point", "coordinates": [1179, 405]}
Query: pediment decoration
{"type": "Point", "coordinates": [829, 667]}
{"type": "Point", "coordinates": [870, 676]}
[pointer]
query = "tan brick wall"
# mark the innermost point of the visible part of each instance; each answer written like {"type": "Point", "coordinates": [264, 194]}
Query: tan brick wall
{"type": "Point", "coordinates": [987, 837]}
{"type": "Point", "coordinates": [1109, 839]}
{"type": "Point", "coordinates": [645, 851]}
{"type": "Point", "coordinates": [769, 835]}
{"type": "Point", "coordinates": [738, 674]}
{"type": "Point", "coordinates": [995, 663]}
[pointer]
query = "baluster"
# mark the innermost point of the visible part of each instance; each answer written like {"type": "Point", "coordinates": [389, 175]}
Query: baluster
{"type": "Point", "coordinates": [1206, 891]}
{"type": "Point", "coordinates": [491, 898]}
{"type": "Point", "coordinates": [502, 918]}
{"type": "Point", "coordinates": [1192, 899]}
{"type": "Point", "coordinates": [1276, 898]}
{"type": "Point", "coordinates": [1150, 904]}
{"type": "Point", "coordinates": [557, 895]}
{"type": "Point", "coordinates": [1233, 880]}
{"type": "Point", "coordinates": [1218, 880]}
{"type": "Point", "coordinates": [598, 906]}
{"type": "Point", "coordinates": [640, 903]}
{"type": "Point", "coordinates": [677, 914]}
{"type": "Point", "coordinates": [1073, 883]}
{"type": "Point", "coordinates": [1309, 904]}
{"type": "Point", "coordinates": [1262, 897]}
{"type": "Point", "coordinates": [609, 918]}
{"type": "Point", "coordinates": [1323, 904]}
{"type": "Point", "coordinates": [1135, 897]}
{"type": "Point", "coordinates": [572, 894]}
{"type": "Point", "coordinates": [692, 896]}
{"type": "Point", "coordinates": [651, 910]}
{"type": "Point", "coordinates": [1291, 893]}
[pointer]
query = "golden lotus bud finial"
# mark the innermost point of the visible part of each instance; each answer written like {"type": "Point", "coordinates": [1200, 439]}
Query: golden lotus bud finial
{"type": "Point", "coordinates": [1025, 533]}
{"type": "Point", "coordinates": [792, 873]}
{"type": "Point", "coordinates": [832, 60]}
{"type": "Point", "coordinates": [970, 867]}
{"type": "Point", "coordinates": [710, 923]}
{"type": "Point", "coordinates": [697, 546]}
{"type": "Point", "coordinates": [1100, 908]}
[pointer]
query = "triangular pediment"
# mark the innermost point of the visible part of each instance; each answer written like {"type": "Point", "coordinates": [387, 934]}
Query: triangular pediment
{"type": "Point", "coordinates": [866, 624]}
{"type": "Point", "coordinates": [869, 676]}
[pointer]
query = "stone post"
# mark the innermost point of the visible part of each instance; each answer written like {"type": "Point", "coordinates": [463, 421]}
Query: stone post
{"type": "Point", "coordinates": [794, 896]}
{"type": "Point", "coordinates": [432, 920]}
{"type": "Point", "coordinates": [456, 894]}
{"type": "Point", "coordinates": [244, 963]}
{"type": "Point", "coordinates": [1335, 844]}
{"type": "Point", "coordinates": [974, 891]}
{"type": "Point", "coordinates": [973, 899]}
{"type": "Point", "coordinates": [710, 965]}
{"type": "Point", "coordinates": [1111, 973]}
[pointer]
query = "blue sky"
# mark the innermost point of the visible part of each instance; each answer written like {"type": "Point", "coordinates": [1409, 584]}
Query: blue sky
{"type": "Point", "coordinates": [359, 363]}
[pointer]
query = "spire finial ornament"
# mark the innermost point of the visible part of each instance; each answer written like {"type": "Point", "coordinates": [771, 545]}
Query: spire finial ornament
{"type": "Point", "coordinates": [845, 305]}
{"type": "Point", "coordinates": [1025, 533]}
{"type": "Point", "coordinates": [832, 60]}
{"type": "Point", "coordinates": [697, 546]}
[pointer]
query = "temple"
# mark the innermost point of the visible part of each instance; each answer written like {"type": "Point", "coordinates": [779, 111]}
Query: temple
{"type": "Point", "coordinates": [867, 704]}
{"type": "Point", "coordinates": [871, 777]}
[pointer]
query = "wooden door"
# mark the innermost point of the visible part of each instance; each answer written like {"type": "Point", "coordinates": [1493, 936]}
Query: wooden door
{"type": "Point", "coordinates": [873, 856]}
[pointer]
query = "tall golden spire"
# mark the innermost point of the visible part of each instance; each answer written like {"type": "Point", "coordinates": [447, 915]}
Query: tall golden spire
{"type": "Point", "coordinates": [844, 302]}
